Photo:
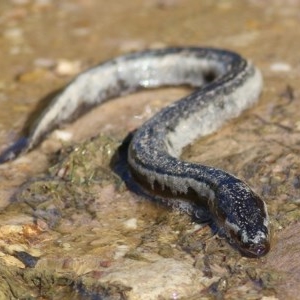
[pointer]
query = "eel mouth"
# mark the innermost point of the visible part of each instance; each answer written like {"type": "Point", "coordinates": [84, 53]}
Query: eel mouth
{"type": "Point", "coordinates": [256, 250]}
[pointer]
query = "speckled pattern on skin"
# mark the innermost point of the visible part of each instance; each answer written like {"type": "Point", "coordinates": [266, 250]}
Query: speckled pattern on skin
{"type": "Point", "coordinates": [229, 84]}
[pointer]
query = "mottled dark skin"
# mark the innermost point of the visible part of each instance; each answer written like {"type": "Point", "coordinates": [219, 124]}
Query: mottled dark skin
{"type": "Point", "coordinates": [248, 213]}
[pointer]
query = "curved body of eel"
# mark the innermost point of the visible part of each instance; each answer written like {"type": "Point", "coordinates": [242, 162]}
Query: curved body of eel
{"type": "Point", "coordinates": [226, 84]}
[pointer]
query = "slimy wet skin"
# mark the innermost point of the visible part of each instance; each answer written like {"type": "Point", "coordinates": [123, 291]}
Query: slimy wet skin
{"type": "Point", "coordinates": [225, 83]}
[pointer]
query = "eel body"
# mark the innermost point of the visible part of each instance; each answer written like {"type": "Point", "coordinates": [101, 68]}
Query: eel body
{"type": "Point", "coordinates": [225, 84]}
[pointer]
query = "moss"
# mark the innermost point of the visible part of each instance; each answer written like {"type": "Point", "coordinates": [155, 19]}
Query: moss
{"type": "Point", "coordinates": [166, 250]}
{"type": "Point", "coordinates": [72, 182]}
{"type": "Point", "coordinates": [87, 163]}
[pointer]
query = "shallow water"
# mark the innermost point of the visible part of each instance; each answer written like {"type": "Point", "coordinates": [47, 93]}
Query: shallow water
{"type": "Point", "coordinates": [91, 235]}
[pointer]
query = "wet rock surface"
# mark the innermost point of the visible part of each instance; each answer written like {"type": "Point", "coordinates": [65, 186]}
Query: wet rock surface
{"type": "Point", "coordinates": [69, 226]}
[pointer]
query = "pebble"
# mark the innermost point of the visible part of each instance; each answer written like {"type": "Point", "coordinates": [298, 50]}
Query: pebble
{"type": "Point", "coordinates": [131, 223]}
{"type": "Point", "coordinates": [66, 67]}
{"type": "Point", "coordinates": [280, 67]}
{"type": "Point", "coordinates": [45, 63]}
{"type": "Point", "coordinates": [63, 135]}
{"type": "Point", "coordinates": [121, 250]}
{"type": "Point", "coordinates": [14, 34]}
{"type": "Point", "coordinates": [165, 278]}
